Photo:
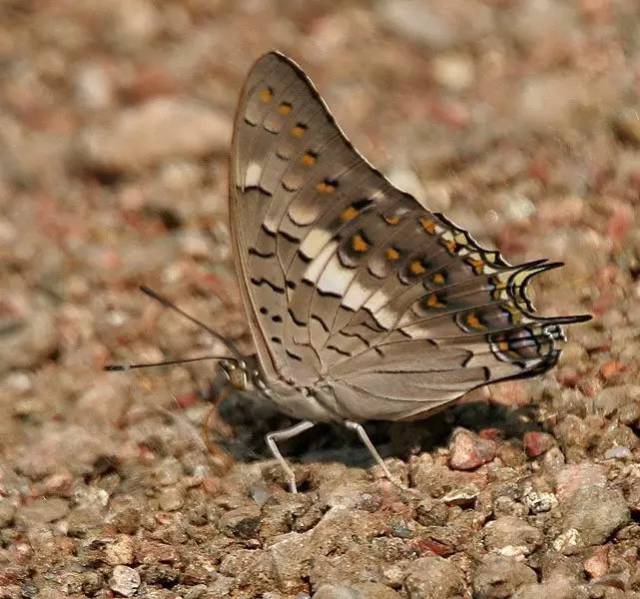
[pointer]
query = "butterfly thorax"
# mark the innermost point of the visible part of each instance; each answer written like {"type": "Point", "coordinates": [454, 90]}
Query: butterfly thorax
{"type": "Point", "coordinates": [296, 401]}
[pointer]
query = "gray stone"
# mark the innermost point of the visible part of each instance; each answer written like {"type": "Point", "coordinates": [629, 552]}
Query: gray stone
{"type": "Point", "coordinates": [576, 476]}
{"type": "Point", "coordinates": [509, 535]}
{"type": "Point", "coordinates": [168, 472]}
{"type": "Point", "coordinates": [433, 578]}
{"type": "Point", "coordinates": [336, 591]}
{"type": "Point", "coordinates": [119, 551]}
{"type": "Point", "coordinates": [171, 499]}
{"type": "Point", "coordinates": [124, 581]}
{"type": "Point", "coordinates": [431, 512]}
{"type": "Point", "coordinates": [45, 509]}
{"type": "Point", "coordinates": [558, 587]}
{"type": "Point", "coordinates": [366, 590]}
{"type": "Point", "coordinates": [421, 22]}
{"type": "Point", "coordinates": [241, 523]}
{"type": "Point", "coordinates": [595, 513]}
{"type": "Point", "coordinates": [499, 577]}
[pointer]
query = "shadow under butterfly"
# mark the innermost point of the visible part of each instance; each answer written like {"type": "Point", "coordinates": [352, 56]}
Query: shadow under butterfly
{"type": "Point", "coordinates": [362, 304]}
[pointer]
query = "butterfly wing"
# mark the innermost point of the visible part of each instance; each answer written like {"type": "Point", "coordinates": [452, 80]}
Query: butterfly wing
{"type": "Point", "coordinates": [351, 283]}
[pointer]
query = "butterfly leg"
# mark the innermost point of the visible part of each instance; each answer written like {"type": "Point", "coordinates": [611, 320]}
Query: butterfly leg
{"type": "Point", "coordinates": [286, 433]}
{"type": "Point", "coordinates": [364, 438]}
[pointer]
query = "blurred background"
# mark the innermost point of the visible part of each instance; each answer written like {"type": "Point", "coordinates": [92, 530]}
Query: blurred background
{"type": "Point", "coordinates": [517, 118]}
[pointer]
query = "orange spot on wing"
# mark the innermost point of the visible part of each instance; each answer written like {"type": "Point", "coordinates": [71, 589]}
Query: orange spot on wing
{"type": "Point", "coordinates": [428, 225]}
{"type": "Point", "coordinates": [392, 254]}
{"type": "Point", "coordinates": [265, 95]}
{"type": "Point", "coordinates": [450, 245]}
{"type": "Point", "coordinates": [359, 244]}
{"type": "Point", "coordinates": [309, 159]}
{"type": "Point", "coordinates": [438, 278]}
{"type": "Point", "coordinates": [325, 187]}
{"type": "Point", "coordinates": [392, 219]}
{"type": "Point", "coordinates": [285, 108]}
{"type": "Point", "coordinates": [417, 268]}
{"type": "Point", "coordinates": [299, 130]}
{"type": "Point", "coordinates": [434, 302]}
{"type": "Point", "coordinates": [474, 322]}
{"type": "Point", "coordinates": [348, 214]}
{"type": "Point", "coordinates": [476, 264]}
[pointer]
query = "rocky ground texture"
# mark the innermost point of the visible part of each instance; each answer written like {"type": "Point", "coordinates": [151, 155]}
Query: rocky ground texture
{"type": "Point", "coordinates": [519, 119]}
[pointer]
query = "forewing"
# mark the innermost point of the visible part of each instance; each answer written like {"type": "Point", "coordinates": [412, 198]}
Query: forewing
{"type": "Point", "coordinates": [295, 184]}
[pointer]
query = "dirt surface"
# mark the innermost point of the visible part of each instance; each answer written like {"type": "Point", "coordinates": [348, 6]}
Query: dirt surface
{"type": "Point", "coordinates": [518, 119]}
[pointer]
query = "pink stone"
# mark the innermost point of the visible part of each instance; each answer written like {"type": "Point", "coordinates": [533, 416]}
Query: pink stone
{"type": "Point", "coordinates": [536, 443]}
{"type": "Point", "coordinates": [578, 476]}
{"type": "Point", "coordinates": [598, 564]}
{"type": "Point", "coordinates": [468, 451]}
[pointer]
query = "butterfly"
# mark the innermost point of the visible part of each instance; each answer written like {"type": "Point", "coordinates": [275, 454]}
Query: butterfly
{"type": "Point", "coordinates": [362, 304]}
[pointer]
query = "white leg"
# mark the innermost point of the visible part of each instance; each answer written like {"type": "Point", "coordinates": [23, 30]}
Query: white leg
{"type": "Point", "coordinates": [286, 433]}
{"type": "Point", "coordinates": [362, 435]}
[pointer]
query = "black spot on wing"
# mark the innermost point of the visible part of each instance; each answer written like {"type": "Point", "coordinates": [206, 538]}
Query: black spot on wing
{"type": "Point", "coordinates": [290, 238]}
{"type": "Point", "coordinates": [296, 321]}
{"type": "Point", "coordinates": [260, 282]}
{"type": "Point", "coordinates": [258, 188]}
{"type": "Point", "coordinates": [267, 231]}
{"type": "Point", "coordinates": [322, 323]}
{"type": "Point", "coordinates": [255, 252]}
{"type": "Point", "coordinates": [357, 336]}
{"type": "Point", "coordinates": [339, 351]}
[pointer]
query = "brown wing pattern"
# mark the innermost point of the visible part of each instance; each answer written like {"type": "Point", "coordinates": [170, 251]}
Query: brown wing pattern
{"type": "Point", "coordinates": [349, 281]}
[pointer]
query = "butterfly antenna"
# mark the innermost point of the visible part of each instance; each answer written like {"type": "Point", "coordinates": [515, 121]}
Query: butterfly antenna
{"type": "Point", "coordinates": [167, 303]}
{"type": "Point", "coordinates": [125, 367]}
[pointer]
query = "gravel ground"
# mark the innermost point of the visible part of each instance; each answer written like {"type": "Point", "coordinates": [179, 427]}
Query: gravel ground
{"type": "Point", "coordinates": [519, 119]}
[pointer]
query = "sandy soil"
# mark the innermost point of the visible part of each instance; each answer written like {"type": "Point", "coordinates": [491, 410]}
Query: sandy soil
{"type": "Point", "coordinates": [518, 119]}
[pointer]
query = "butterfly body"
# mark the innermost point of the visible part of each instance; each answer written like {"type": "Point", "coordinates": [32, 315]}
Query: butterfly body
{"type": "Point", "coordinates": [363, 304]}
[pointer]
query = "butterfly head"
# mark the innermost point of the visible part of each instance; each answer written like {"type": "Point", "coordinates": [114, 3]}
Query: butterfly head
{"type": "Point", "coordinates": [236, 373]}
{"type": "Point", "coordinates": [242, 374]}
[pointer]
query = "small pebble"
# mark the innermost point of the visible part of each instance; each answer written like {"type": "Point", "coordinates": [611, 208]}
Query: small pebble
{"type": "Point", "coordinates": [595, 513]}
{"type": "Point", "coordinates": [124, 581]}
{"type": "Point", "coordinates": [499, 576]}
{"type": "Point", "coordinates": [171, 499]}
{"type": "Point", "coordinates": [536, 443]}
{"type": "Point", "coordinates": [468, 451]}
{"type": "Point", "coordinates": [433, 578]}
